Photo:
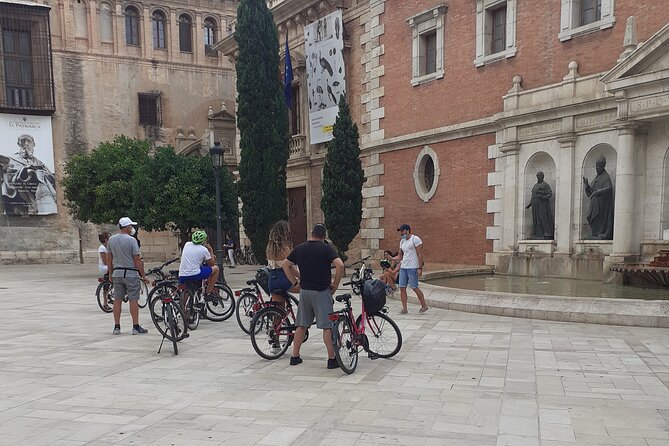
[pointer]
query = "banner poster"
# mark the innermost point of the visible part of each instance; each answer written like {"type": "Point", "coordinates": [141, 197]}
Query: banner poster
{"type": "Point", "coordinates": [27, 182]}
{"type": "Point", "coordinates": [324, 45]}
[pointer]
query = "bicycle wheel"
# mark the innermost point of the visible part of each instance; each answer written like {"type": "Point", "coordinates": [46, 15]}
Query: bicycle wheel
{"type": "Point", "coordinates": [191, 313]}
{"type": "Point", "coordinates": [239, 257]}
{"type": "Point", "coordinates": [223, 306]}
{"type": "Point", "coordinates": [269, 337]}
{"type": "Point", "coordinates": [143, 294]}
{"type": "Point", "coordinates": [103, 295]}
{"type": "Point", "coordinates": [158, 308]}
{"type": "Point", "coordinates": [383, 334]}
{"type": "Point", "coordinates": [346, 351]}
{"type": "Point", "coordinates": [171, 321]}
{"type": "Point", "coordinates": [244, 311]}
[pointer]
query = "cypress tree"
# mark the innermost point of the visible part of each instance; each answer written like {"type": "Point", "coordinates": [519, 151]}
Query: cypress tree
{"type": "Point", "coordinates": [343, 178]}
{"type": "Point", "coordinates": [262, 119]}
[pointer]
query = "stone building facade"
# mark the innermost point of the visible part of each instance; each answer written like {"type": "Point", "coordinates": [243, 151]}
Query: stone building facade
{"type": "Point", "coordinates": [144, 70]}
{"type": "Point", "coordinates": [460, 102]}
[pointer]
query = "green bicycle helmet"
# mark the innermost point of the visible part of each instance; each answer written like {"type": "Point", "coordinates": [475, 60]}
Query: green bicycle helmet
{"type": "Point", "coordinates": [198, 237]}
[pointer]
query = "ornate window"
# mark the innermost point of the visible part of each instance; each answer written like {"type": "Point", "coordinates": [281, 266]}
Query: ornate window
{"type": "Point", "coordinates": [158, 22]}
{"type": "Point", "coordinates": [106, 33]}
{"type": "Point", "coordinates": [26, 83]}
{"type": "Point", "coordinates": [210, 34]}
{"type": "Point", "coordinates": [580, 17]}
{"type": "Point", "coordinates": [131, 26]}
{"type": "Point", "coordinates": [495, 30]}
{"type": "Point", "coordinates": [185, 33]}
{"type": "Point", "coordinates": [427, 29]}
{"type": "Point", "coordinates": [80, 19]}
{"type": "Point", "coordinates": [426, 173]}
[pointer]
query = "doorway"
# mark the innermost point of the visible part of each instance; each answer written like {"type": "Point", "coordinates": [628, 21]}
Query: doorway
{"type": "Point", "coordinates": [297, 214]}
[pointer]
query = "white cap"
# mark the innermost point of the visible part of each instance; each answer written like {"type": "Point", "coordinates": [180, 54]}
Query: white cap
{"type": "Point", "coordinates": [125, 221]}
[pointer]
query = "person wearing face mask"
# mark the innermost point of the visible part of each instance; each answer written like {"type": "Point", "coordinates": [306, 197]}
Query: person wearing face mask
{"type": "Point", "coordinates": [127, 269]}
{"type": "Point", "coordinates": [411, 266]}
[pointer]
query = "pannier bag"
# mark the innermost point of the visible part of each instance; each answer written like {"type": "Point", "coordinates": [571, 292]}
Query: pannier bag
{"type": "Point", "coordinates": [262, 277]}
{"type": "Point", "coordinates": [374, 296]}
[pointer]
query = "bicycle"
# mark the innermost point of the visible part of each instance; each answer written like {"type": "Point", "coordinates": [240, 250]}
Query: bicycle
{"type": "Point", "coordinates": [251, 300]}
{"type": "Point", "coordinates": [348, 334]}
{"type": "Point", "coordinates": [361, 275]}
{"type": "Point", "coordinates": [273, 328]}
{"type": "Point", "coordinates": [167, 315]}
{"type": "Point", "coordinates": [104, 294]}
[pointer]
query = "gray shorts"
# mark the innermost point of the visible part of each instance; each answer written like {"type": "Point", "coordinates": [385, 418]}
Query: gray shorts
{"type": "Point", "coordinates": [126, 285]}
{"type": "Point", "coordinates": [314, 304]}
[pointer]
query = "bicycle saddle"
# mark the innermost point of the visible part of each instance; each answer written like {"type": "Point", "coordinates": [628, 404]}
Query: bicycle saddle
{"type": "Point", "coordinates": [282, 293]}
{"type": "Point", "coordinates": [343, 297]}
{"type": "Point", "coordinates": [174, 272]}
{"type": "Point", "coordinates": [251, 282]}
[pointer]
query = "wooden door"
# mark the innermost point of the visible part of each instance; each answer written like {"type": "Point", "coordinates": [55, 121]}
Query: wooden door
{"type": "Point", "coordinates": [297, 214]}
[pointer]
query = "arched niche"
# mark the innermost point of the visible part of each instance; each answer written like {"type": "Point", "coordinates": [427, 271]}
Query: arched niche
{"type": "Point", "coordinates": [588, 170]}
{"type": "Point", "coordinates": [664, 222]}
{"type": "Point", "coordinates": [539, 162]}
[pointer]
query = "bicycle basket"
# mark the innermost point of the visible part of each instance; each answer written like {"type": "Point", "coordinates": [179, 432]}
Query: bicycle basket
{"type": "Point", "coordinates": [262, 276]}
{"type": "Point", "coordinates": [374, 296]}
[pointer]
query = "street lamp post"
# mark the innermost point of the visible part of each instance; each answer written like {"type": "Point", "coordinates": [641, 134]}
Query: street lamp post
{"type": "Point", "coordinates": [216, 153]}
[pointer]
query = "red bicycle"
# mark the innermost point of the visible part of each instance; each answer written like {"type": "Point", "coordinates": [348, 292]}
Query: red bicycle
{"type": "Point", "coordinates": [349, 334]}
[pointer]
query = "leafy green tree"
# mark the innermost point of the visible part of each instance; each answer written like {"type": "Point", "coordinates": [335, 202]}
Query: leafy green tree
{"type": "Point", "coordinates": [262, 118]}
{"type": "Point", "coordinates": [343, 178]}
{"type": "Point", "coordinates": [173, 191]}
{"type": "Point", "coordinates": [98, 185]}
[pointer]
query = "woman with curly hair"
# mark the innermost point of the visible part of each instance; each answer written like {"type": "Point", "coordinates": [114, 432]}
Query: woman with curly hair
{"type": "Point", "coordinates": [280, 244]}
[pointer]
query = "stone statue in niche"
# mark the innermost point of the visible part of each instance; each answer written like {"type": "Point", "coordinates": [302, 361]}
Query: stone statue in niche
{"type": "Point", "coordinates": [600, 211]}
{"type": "Point", "coordinates": [543, 223]}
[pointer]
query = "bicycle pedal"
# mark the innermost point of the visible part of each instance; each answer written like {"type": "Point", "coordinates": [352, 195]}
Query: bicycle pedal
{"type": "Point", "coordinates": [186, 335]}
{"type": "Point", "coordinates": [373, 356]}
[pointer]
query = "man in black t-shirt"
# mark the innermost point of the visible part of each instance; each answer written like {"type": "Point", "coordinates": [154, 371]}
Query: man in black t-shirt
{"type": "Point", "coordinates": [314, 258]}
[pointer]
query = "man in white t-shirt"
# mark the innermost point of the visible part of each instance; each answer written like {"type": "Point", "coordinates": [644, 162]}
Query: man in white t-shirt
{"type": "Point", "coordinates": [198, 262]}
{"type": "Point", "coordinates": [411, 266]}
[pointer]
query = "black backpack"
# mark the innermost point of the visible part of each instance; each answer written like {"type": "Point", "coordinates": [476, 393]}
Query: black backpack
{"type": "Point", "coordinates": [374, 296]}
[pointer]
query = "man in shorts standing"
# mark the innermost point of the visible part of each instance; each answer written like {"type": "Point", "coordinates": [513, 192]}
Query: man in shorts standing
{"type": "Point", "coordinates": [126, 270]}
{"type": "Point", "coordinates": [314, 258]}
{"type": "Point", "coordinates": [411, 266]}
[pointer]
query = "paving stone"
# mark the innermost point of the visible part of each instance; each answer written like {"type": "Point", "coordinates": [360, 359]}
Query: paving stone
{"type": "Point", "coordinates": [461, 379]}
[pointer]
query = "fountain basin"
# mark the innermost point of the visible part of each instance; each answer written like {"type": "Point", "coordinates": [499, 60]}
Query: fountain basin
{"type": "Point", "coordinates": [650, 311]}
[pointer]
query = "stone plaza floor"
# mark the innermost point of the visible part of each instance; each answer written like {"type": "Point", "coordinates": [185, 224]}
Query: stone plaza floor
{"type": "Point", "coordinates": [460, 379]}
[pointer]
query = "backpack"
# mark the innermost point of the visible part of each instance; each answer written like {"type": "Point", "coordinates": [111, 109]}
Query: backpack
{"type": "Point", "coordinates": [374, 296]}
{"type": "Point", "coordinates": [262, 277]}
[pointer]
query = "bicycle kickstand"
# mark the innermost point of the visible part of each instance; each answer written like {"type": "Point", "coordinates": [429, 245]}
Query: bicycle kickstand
{"type": "Point", "coordinates": [161, 344]}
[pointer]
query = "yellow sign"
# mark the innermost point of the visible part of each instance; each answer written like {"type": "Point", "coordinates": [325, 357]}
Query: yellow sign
{"type": "Point", "coordinates": [328, 128]}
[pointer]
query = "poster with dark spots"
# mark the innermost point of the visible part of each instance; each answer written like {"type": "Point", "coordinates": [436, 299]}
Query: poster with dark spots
{"type": "Point", "coordinates": [324, 45]}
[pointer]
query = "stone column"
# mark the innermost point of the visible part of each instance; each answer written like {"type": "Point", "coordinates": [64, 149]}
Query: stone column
{"type": "Point", "coordinates": [198, 42]}
{"type": "Point", "coordinates": [564, 194]}
{"type": "Point", "coordinates": [94, 21]}
{"type": "Point", "coordinates": [624, 220]}
{"type": "Point", "coordinates": [119, 30]}
{"type": "Point", "coordinates": [510, 225]}
{"type": "Point", "coordinates": [146, 34]}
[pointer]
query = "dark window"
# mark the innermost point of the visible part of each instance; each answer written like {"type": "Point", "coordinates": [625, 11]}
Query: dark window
{"type": "Point", "coordinates": [428, 173]}
{"type": "Point", "coordinates": [131, 26]}
{"type": "Point", "coordinates": [294, 115]}
{"type": "Point", "coordinates": [158, 23]}
{"type": "Point", "coordinates": [498, 30]}
{"type": "Point", "coordinates": [185, 34]}
{"type": "Point", "coordinates": [591, 11]}
{"type": "Point", "coordinates": [150, 110]}
{"type": "Point", "coordinates": [210, 30]}
{"type": "Point", "coordinates": [428, 50]}
{"type": "Point", "coordinates": [26, 83]}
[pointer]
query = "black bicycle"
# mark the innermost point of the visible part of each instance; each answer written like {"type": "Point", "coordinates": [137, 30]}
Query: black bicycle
{"type": "Point", "coordinates": [167, 315]}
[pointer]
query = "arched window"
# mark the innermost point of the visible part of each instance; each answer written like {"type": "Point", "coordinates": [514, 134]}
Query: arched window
{"type": "Point", "coordinates": [185, 33]}
{"type": "Point", "coordinates": [80, 19]}
{"type": "Point", "coordinates": [131, 26]}
{"type": "Point", "coordinates": [210, 31]}
{"type": "Point", "coordinates": [106, 34]}
{"type": "Point", "coordinates": [158, 20]}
